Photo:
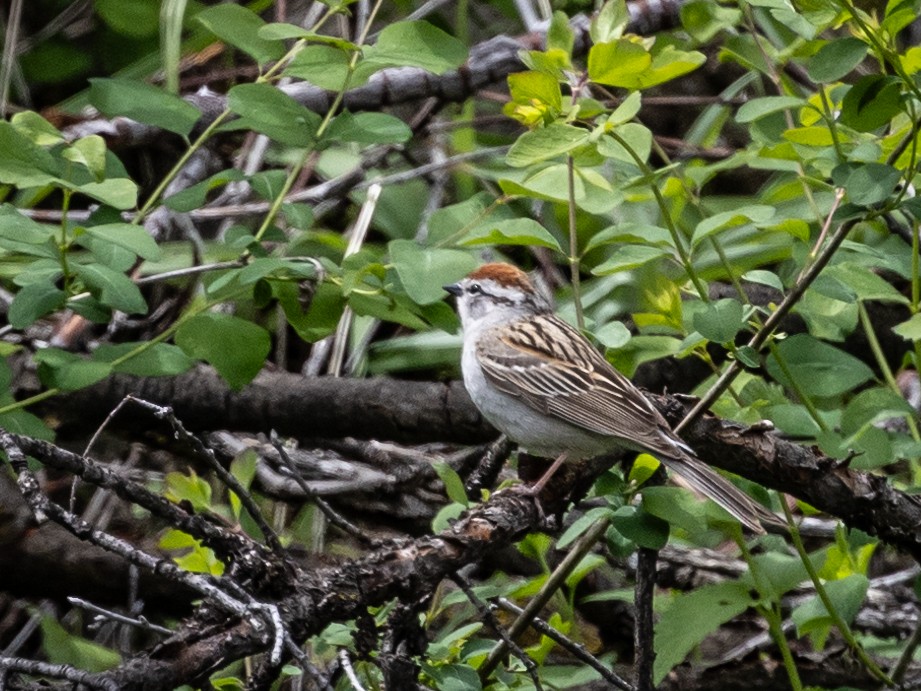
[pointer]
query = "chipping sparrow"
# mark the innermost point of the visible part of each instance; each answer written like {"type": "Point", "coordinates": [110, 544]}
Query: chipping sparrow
{"type": "Point", "coordinates": [538, 380]}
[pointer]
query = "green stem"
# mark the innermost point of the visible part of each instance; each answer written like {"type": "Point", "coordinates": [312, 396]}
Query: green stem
{"type": "Point", "coordinates": [574, 244]}
{"type": "Point", "coordinates": [893, 385]}
{"type": "Point", "coordinates": [321, 130]}
{"type": "Point", "coordinates": [26, 402]}
{"type": "Point", "coordinates": [677, 240]}
{"type": "Point", "coordinates": [180, 164]}
{"type": "Point", "coordinates": [839, 623]}
{"type": "Point", "coordinates": [797, 389]}
{"type": "Point", "coordinates": [65, 245]}
{"type": "Point", "coordinates": [916, 285]}
{"type": "Point", "coordinates": [773, 618]}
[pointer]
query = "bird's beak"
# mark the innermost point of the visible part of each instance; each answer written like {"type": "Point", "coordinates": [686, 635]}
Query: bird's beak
{"type": "Point", "coordinates": [454, 289]}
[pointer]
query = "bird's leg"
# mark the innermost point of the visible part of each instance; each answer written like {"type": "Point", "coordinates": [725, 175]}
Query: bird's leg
{"type": "Point", "coordinates": [537, 487]}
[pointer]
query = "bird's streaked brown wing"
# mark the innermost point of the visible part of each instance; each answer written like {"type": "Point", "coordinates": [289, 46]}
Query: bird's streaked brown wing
{"type": "Point", "coordinates": [549, 364]}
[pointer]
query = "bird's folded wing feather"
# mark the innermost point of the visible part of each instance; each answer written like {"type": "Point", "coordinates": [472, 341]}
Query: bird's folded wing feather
{"type": "Point", "coordinates": [548, 364]}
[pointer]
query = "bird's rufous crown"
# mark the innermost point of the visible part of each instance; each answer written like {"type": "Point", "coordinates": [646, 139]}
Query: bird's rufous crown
{"type": "Point", "coordinates": [503, 274]}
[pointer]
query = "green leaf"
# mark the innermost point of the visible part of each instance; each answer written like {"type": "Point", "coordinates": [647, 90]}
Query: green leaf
{"type": "Point", "coordinates": [392, 308]}
{"type": "Point", "coordinates": [581, 524]}
{"type": "Point", "coordinates": [513, 231]}
{"type": "Point", "coordinates": [236, 348]}
{"type": "Point", "coordinates": [873, 406]}
{"type": "Point", "coordinates": [63, 648]}
{"type": "Point", "coordinates": [157, 360]}
{"type": "Point", "coordinates": [268, 110]}
{"type": "Point", "coordinates": [846, 595]}
{"type": "Point", "coordinates": [640, 526]}
{"type": "Point", "coordinates": [21, 234]}
{"type": "Point", "coordinates": [34, 301]}
{"type": "Point", "coordinates": [416, 44]}
{"type": "Point", "coordinates": [627, 64]}
{"type": "Point", "coordinates": [423, 271]}
{"type": "Point", "coordinates": [640, 233]}
{"type": "Point", "coordinates": [321, 316]}
{"type": "Point", "coordinates": [609, 24]}
{"type": "Point", "coordinates": [36, 128]}
{"type": "Point", "coordinates": [283, 31]}
{"type": "Point", "coordinates": [131, 237]}
{"type": "Point", "coordinates": [144, 103]}
{"type": "Point", "coordinates": [368, 128]}
{"type": "Point", "coordinates": [704, 19]}
{"type": "Point", "coordinates": [836, 59]}
{"type": "Point", "coordinates": [120, 193]}
{"type": "Point", "coordinates": [630, 257]}
{"type": "Point", "coordinates": [134, 19]}
{"type": "Point", "coordinates": [677, 506]}
{"type": "Point", "coordinates": [637, 137]}
{"type": "Point", "coordinates": [720, 321]}
{"type": "Point", "coordinates": [820, 370]}
{"type": "Point", "coordinates": [89, 152]}
{"type": "Point", "coordinates": [759, 214]}
{"type": "Point", "coordinates": [24, 164]}
{"type": "Point", "coordinates": [194, 197]}
{"type": "Point", "coordinates": [560, 36]}
{"type": "Point", "coordinates": [325, 66]}
{"type": "Point", "coordinates": [767, 278]}
{"type": "Point", "coordinates": [446, 515]}
{"type": "Point", "coordinates": [871, 183]}
{"type": "Point", "coordinates": [748, 356]}
{"type": "Point", "coordinates": [454, 677]}
{"type": "Point", "coordinates": [591, 191]}
{"type": "Point", "coordinates": [871, 103]}
{"type": "Point", "coordinates": [616, 63]}
{"type": "Point", "coordinates": [691, 618]}
{"type": "Point", "coordinates": [68, 371]}
{"type": "Point", "coordinates": [910, 329]}
{"type": "Point", "coordinates": [626, 111]}
{"type": "Point", "coordinates": [613, 335]}
{"type": "Point", "coordinates": [865, 284]}
{"type": "Point", "coordinates": [536, 89]}
{"type": "Point", "coordinates": [535, 98]}
{"type": "Point", "coordinates": [545, 143]}
{"type": "Point", "coordinates": [670, 63]}
{"type": "Point", "coordinates": [759, 107]}
{"type": "Point", "coordinates": [454, 485]}
{"type": "Point", "coordinates": [113, 288]}
{"type": "Point", "coordinates": [240, 27]}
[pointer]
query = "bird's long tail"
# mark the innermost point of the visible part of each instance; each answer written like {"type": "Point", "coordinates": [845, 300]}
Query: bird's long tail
{"type": "Point", "coordinates": [696, 475]}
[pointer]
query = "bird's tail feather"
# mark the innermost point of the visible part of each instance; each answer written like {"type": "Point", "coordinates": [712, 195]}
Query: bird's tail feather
{"type": "Point", "coordinates": [696, 475]}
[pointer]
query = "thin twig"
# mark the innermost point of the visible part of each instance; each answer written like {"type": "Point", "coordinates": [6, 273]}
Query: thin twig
{"type": "Point", "coordinates": [72, 674]}
{"type": "Point", "coordinates": [140, 622]}
{"type": "Point", "coordinates": [331, 514]}
{"type": "Point", "coordinates": [486, 614]}
{"type": "Point", "coordinates": [576, 649]}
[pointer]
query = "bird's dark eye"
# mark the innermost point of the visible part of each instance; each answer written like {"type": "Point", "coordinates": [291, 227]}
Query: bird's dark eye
{"type": "Point", "coordinates": [475, 289]}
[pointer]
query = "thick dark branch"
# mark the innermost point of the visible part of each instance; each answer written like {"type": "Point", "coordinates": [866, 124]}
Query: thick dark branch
{"type": "Point", "coordinates": [292, 405]}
